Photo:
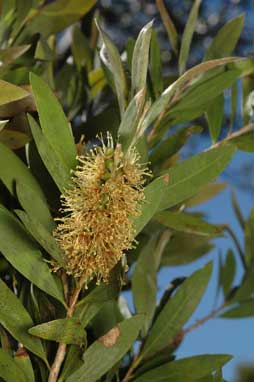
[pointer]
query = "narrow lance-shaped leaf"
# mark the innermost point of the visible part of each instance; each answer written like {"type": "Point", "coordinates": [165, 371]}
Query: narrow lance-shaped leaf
{"type": "Point", "coordinates": [172, 144]}
{"type": "Point", "coordinates": [153, 198]}
{"type": "Point", "coordinates": [25, 256]}
{"type": "Point", "coordinates": [23, 360]}
{"type": "Point", "coordinates": [108, 349]}
{"type": "Point", "coordinates": [15, 318]}
{"type": "Point", "coordinates": [177, 312]}
{"type": "Point", "coordinates": [227, 272]}
{"type": "Point", "coordinates": [89, 306]}
{"type": "Point", "coordinates": [205, 193]}
{"type": "Point", "coordinates": [226, 39]}
{"type": "Point", "coordinates": [42, 236]}
{"type": "Point", "coordinates": [112, 60]}
{"type": "Point", "coordinates": [187, 177]}
{"type": "Point", "coordinates": [169, 25]}
{"type": "Point", "coordinates": [155, 65]}
{"type": "Point", "coordinates": [13, 170]}
{"type": "Point", "coordinates": [237, 210]}
{"type": "Point", "coordinates": [11, 93]}
{"type": "Point", "coordinates": [187, 36]}
{"type": "Point", "coordinates": [54, 124]}
{"type": "Point", "coordinates": [214, 115]}
{"type": "Point", "coordinates": [242, 310]}
{"type": "Point", "coordinates": [184, 248]}
{"type": "Point", "coordinates": [140, 59]}
{"type": "Point", "coordinates": [128, 126]}
{"type": "Point", "coordinates": [9, 55]}
{"type": "Point", "coordinates": [199, 95]}
{"type": "Point", "coordinates": [222, 45]}
{"type": "Point", "coordinates": [55, 17]}
{"type": "Point", "coordinates": [180, 221]}
{"type": "Point", "coordinates": [65, 330]}
{"type": "Point", "coordinates": [9, 370]}
{"type": "Point", "coordinates": [144, 283]}
{"type": "Point", "coordinates": [249, 239]}
{"type": "Point", "coordinates": [162, 102]}
{"type": "Point", "coordinates": [52, 160]}
{"type": "Point", "coordinates": [187, 369]}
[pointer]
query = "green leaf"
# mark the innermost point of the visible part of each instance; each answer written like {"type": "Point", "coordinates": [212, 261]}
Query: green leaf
{"type": "Point", "coordinates": [23, 360]}
{"type": "Point", "coordinates": [90, 305]}
{"type": "Point", "coordinates": [186, 369]}
{"type": "Point", "coordinates": [249, 239]}
{"type": "Point", "coordinates": [184, 248]}
{"type": "Point", "coordinates": [42, 236]}
{"type": "Point", "coordinates": [245, 291]}
{"type": "Point", "coordinates": [237, 210]}
{"type": "Point", "coordinates": [180, 221]}
{"type": "Point", "coordinates": [10, 92]}
{"type": "Point", "coordinates": [55, 17]}
{"type": "Point", "coordinates": [72, 362]}
{"type": "Point", "coordinates": [81, 50]}
{"type": "Point", "coordinates": [65, 330]}
{"type": "Point", "coordinates": [108, 349]}
{"type": "Point", "coordinates": [54, 124]}
{"type": "Point", "coordinates": [227, 272]}
{"type": "Point", "coordinates": [199, 95]}
{"type": "Point", "coordinates": [187, 36]}
{"type": "Point", "coordinates": [15, 318]}
{"type": "Point", "coordinates": [144, 283]}
{"type": "Point", "coordinates": [214, 115]}
{"type": "Point", "coordinates": [131, 118]}
{"type": "Point", "coordinates": [43, 51]}
{"type": "Point", "coordinates": [25, 256]}
{"type": "Point", "coordinates": [205, 193]}
{"type": "Point", "coordinates": [9, 370]}
{"type": "Point", "coordinates": [155, 65]}
{"type": "Point", "coordinates": [176, 312]}
{"type": "Point", "coordinates": [54, 163]}
{"type": "Point", "coordinates": [172, 144]}
{"type": "Point", "coordinates": [149, 207]}
{"type": "Point", "coordinates": [169, 25]}
{"type": "Point", "coordinates": [140, 59]}
{"type": "Point", "coordinates": [13, 170]}
{"type": "Point", "coordinates": [245, 142]}
{"type": "Point", "coordinates": [187, 177]}
{"type": "Point", "coordinates": [226, 39]}
{"type": "Point", "coordinates": [9, 55]}
{"type": "Point", "coordinates": [180, 84]}
{"type": "Point", "coordinates": [38, 209]}
{"type": "Point", "coordinates": [245, 309]}
{"type": "Point", "coordinates": [14, 139]}
{"type": "Point", "coordinates": [114, 64]}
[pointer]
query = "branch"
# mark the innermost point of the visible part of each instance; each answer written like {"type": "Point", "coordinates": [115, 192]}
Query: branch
{"type": "Point", "coordinates": [61, 351]}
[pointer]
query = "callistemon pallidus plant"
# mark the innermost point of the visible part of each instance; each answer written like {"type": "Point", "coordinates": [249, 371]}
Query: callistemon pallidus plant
{"type": "Point", "coordinates": [97, 226]}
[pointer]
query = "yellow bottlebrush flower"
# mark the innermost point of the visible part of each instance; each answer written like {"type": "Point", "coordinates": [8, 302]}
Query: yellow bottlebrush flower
{"type": "Point", "coordinates": [97, 228]}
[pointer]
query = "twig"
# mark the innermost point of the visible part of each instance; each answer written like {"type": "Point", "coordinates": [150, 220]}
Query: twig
{"type": "Point", "coordinates": [246, 129]}
{"type": "Point", "coordinates": [203, 320]}
{"type": "Point", "coordinates": [61, 351]}
{"type": "Point", "coordinates": [132, 367]}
